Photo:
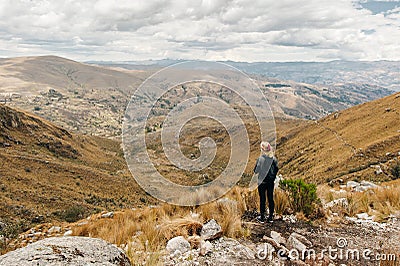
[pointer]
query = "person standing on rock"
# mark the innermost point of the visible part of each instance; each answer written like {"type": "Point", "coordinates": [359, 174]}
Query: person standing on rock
{"type": "Point", "coordinates": [267, 168]}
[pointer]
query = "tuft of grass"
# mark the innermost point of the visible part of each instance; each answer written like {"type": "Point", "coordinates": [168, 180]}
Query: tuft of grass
{"type": "Point", "coordinates": [282, 202]}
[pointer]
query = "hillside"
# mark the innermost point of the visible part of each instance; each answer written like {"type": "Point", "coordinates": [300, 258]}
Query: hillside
{"type": "Point", "coordinates": [48, 173]}
{"type": "Point", "coordinates": [91, 99]}
{"type": "Point", "coordinates": [362, 142]}
{"type": "Point", "coordinates": [80, 97]}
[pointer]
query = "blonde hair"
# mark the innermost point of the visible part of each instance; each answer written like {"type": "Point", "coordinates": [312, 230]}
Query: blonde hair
{"type": "Point", "coordinates": [266, 149]}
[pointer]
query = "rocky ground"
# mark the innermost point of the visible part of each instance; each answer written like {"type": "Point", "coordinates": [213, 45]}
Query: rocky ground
{"type": "Point", "coordinates": [286, 240]}
{"type": "Point", "coordinates": [282, 242]}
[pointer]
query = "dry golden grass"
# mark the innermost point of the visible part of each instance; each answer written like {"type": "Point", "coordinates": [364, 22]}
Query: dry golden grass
{"type": "Point", "coordinates": [281, 200]}
{"type": "Point", "coordinates": [143, 233]}
{"type": "Point", "coordinates": [380, 202]}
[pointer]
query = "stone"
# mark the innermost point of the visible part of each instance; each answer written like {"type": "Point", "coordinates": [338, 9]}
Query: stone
{"type": "Point", "coordinates": [368, 184]}
{"type": "Point", "coordinates": [71, 251]}
{"type": "Point", "coordinates": [243, 252]}
{"type": "Point", "coordinates": [278, 238]}
{"type": "Point", "coordinates": [178, 243]}
{"type": "Point", "coordinates": [68, 233]}
{"type": "Point", "coordinates": [211, 230]}
{"type": "Point", "coordinates": [54, 229]}
{"type": "Point", "coordinates": [294, 243]}
{"type": "Point", "coordinates": [302, 238]}
{"type": "Point", "coordinates": [364, 216]}
{"type": "Point", "coordinates": [378, 171]}
{"type": "Point", "coordinates": [360, 189]}
{"type": "Point", "coordinates": [352, 184]}
{"type": "Point", "coordinates": [108, 215]}
{"type": "Point", "coordinates": [272, 242]}
{"type": "Point", "coordinates": [205, 248]}
{"type": "Point", "coordinates": [343, 202]}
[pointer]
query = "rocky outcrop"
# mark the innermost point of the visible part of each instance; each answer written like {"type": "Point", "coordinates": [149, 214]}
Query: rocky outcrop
{"type": "Point", "coordinates": [71, 251]}
{"type": "Point", "coordinates": [211, 230]}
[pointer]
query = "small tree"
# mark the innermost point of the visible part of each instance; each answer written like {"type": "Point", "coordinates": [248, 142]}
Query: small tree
{"type": "Point", "coordinates": [303, 196]}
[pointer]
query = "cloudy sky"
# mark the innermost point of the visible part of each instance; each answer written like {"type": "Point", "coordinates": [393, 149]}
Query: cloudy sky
{"type": "Point", "coordinates": [240, 30]}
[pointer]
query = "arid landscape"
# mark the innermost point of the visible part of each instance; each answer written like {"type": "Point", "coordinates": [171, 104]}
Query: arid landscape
{"type": "Point", "coordinates": [63, 170]}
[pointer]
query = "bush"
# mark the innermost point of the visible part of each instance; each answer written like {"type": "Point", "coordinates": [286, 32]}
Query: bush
{"type": "Point", "coordinates": [72, 214]}
{"type": "Point", "coordinates": [395, 170]}
{"type": "Point", "coordinates": [303, 196]}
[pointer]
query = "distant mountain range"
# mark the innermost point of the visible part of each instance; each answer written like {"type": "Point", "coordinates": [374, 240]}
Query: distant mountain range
{"type": "Point", "coordinates": [91, 99]}
{"type": "Point", "coordinates": [385, 74]}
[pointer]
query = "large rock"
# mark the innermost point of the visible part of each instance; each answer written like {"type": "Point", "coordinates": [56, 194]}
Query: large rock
{"type": "Point", "coordinates": [211, 230]}
{"type": "Point", "coordinates": [179, 244]}
{"type": "Point", "coordinates": [72, 251]}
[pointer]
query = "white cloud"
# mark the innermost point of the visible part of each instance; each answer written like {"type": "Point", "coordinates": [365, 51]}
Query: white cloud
{"type": "Point", "coordinates": [244, 30]}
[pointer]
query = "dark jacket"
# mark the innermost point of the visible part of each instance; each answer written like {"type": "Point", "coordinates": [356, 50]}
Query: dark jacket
{"type": "Point", "coordinates": [267, 168]}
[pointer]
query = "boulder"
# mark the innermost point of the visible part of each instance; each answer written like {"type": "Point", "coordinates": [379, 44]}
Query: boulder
{"type": "Point", "coordinates": [72, 251]}
{"type": "Point", "coordinates": [178, 243]}
{"type": "Point", "coordinates": [211, 230]}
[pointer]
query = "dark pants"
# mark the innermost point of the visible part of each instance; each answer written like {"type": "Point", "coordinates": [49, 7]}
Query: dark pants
{"type": "Point", "coordinates": [268, 187]}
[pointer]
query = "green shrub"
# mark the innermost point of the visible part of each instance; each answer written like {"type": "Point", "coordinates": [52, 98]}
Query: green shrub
{"type": "Point", "coordinates": [72, 214]}
{"type": "Point", "coordinates": [303, 196]}
{"type": "Point", "coordinates": [395, 170]}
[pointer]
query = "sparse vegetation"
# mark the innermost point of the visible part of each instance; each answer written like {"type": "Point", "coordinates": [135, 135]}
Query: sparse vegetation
{"type": "Point", "coordinates": [395, 170]}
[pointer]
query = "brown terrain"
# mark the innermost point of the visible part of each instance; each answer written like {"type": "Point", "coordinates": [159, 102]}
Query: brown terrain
{"type": "Point", "coordinates": [346, 145]}
{"type": "Point", "coordinates": [48, 173]}
{"type": "Point", "coordinates": [57, 173]}
{"type": "Point", "coordinates": [91, 99]}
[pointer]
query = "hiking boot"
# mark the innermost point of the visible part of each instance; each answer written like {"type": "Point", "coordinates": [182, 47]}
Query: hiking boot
{"type": "Point", "coordinates": [260, 219]}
